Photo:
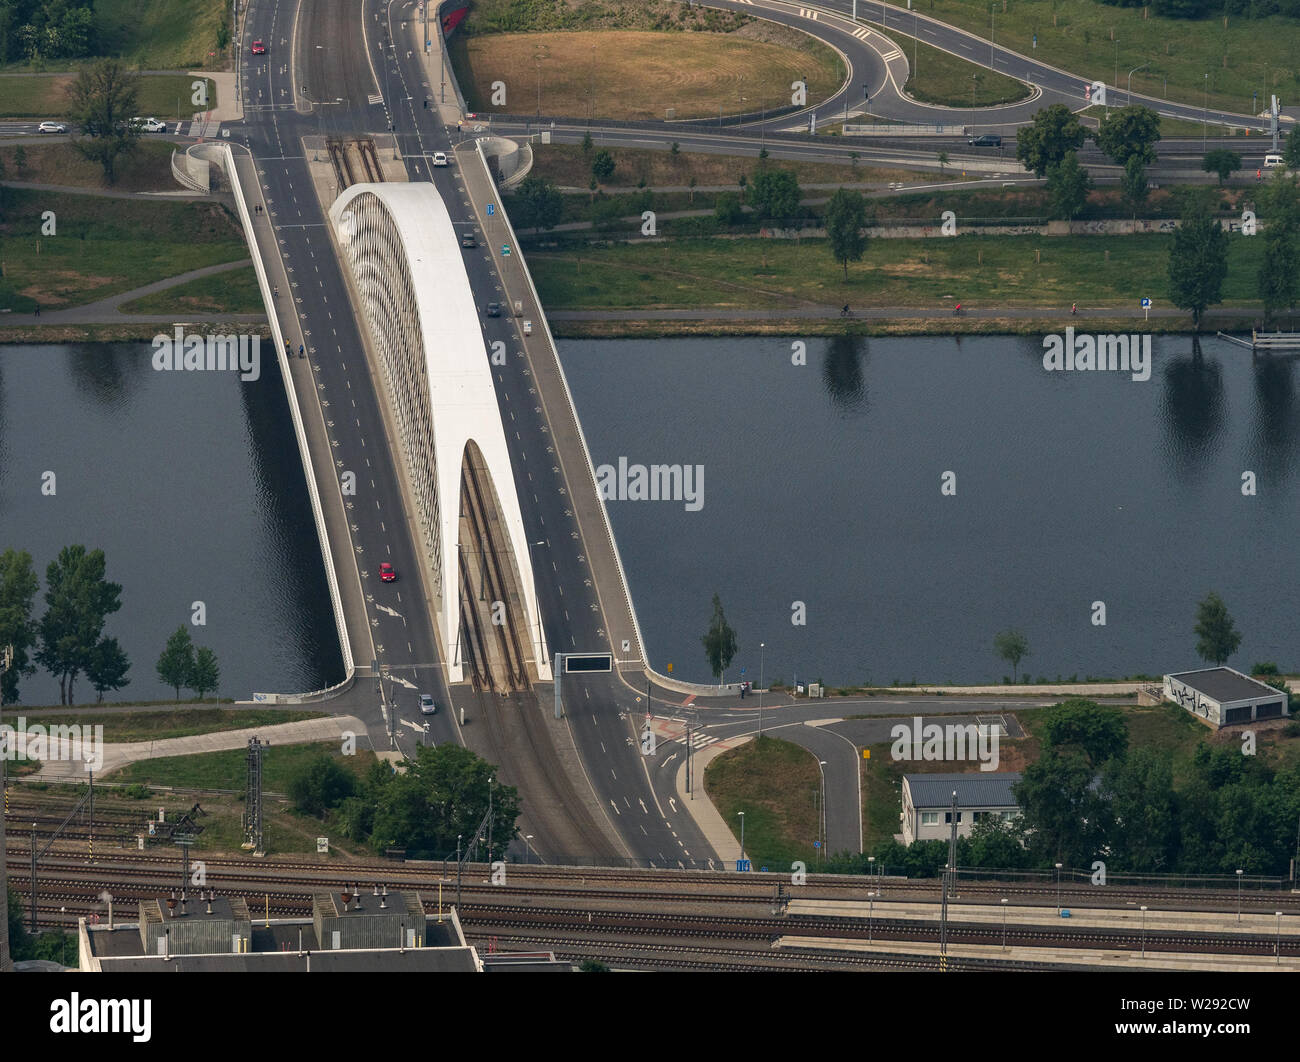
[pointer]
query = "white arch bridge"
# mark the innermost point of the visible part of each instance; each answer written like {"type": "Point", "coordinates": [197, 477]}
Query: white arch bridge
{"type": "Point", "coordinates": [423, 325]}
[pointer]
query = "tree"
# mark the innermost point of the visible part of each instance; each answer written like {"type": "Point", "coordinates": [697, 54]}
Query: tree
{"type": "Point", "coordinates": [1064, 817]}
{"type": "Point", "coordinates": [1134, 184]}
{"type": "Point", "coordinates": [1054, 131]}
{"type": "Point", "coordinates": [205, 674]}
{"type": "Point", "coordinates": [1129, 133]}
{"type": "Point", "coordinates": [102, 101]}
{"type": "Point", "coordinates": [719, 642]}
{"type": "Point", "coordinates": [592, 966]}
{"type": "Point", "coordinates": [1012, 646]}
{"type": "Point", "coordinates": [727, 210]}
{"type": "Point", "coordinates": [602, 166]}
{"type": "Point", "coordinates": [1067, 187]}
{"type": "Point", "coordinates": [1216, 635]}
{"type": "Point", "coordinates": [846, 219]}
{"type": "Point", "coordinates": [1100, 734]}
{"type": "Point", "coordinates": [1143, 804]}
{"type": "Point", "coordinates": [1223, 162]}
{"type": "Point", "coordinates": [675, 149]}
{"type": "Point", "coordinates": [176, 664]}
{"type": "Point", "coordinates": [1198, 260]}
{"type": "Point", "coordinates": [1291, 149]}
{"type": "Point", "coordinates": [320, 784]}
{"type": "Point", "coordinates": [78, 600]}
{"type": "Point", "coordinates": [942, 160]}
{"type": "Point", "coordinates": [775, 193]}
{"type": "Point", "coordinates": [106, 668]}
{"type": "Point", "coordinates": [541, 203]}
{"type": "Point", "coordinates": [586, 143]}
{"type": "Point", "coordinates": [20, 160]}
{"type": "Point", "coordinates": [18, 586]}
{"type": "Point", "coordinates": [1278, 268]}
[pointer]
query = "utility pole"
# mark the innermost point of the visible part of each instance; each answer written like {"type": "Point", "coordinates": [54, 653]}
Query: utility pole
{"type": "Point", "coordinates": [948, 872]}
{"type": "Point", "coordinates": [6, 661]}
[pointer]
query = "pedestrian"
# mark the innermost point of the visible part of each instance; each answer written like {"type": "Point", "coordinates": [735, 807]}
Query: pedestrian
{"type": "Point", "coordinates": [1074, 309]}
{"type": "Point", "coordinates": [38, 309]}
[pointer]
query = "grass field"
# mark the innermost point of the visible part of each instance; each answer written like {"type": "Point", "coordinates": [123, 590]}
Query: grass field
{"type": "Point", "coordinates": [981, 271]}
{"type": "Point", "coordinates": [776, 784]}
{"type": "Point", "coordinates": [156, 34]}
{"type": "Point", "coordinates": [164, 96]}
{"type": "Point", "coordinates": [122, 727]}
{"type": "Point", "coordinates": [587, 73]}
{"type": "Point", "coordinates": [104, 246]}
{"type": "Point", "coordinates": [228, 769]}
{"type": "Point", "coordinates": [1076, 35]}
{"type": "Point", "coordinates": [1178, 127]}
{"type": "Point", "coordinates": [58, 162]}
{"type": "Point", "coordinates": [939, 77]}
{"type": "Point", "coordinates": [233, 292]}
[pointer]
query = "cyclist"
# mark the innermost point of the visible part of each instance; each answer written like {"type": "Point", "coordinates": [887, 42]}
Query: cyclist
{"type": "Point", "coordinates": [846, 311]}
{"type": "Point", "coordinates": [300, 351]}
{"type": "Point", "coordinates": [957, 311]}
{"type": "Point", "coordinates": [276, 290]}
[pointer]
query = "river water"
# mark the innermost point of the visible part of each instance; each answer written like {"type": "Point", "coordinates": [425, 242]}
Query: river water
{"type": "Point", "coordinates": [191, 484]}
{"type": "Point", "coordinates": [822, 501]}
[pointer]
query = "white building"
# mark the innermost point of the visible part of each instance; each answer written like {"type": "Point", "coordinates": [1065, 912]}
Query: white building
{"type": "Point", "coordinates": [1221, 696]}
{"type": "Point", "coordinates": [927, 803]}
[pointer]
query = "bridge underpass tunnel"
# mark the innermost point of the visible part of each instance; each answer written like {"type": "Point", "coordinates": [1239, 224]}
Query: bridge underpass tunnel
{"type": "Point", "coordinates": [422, 329]}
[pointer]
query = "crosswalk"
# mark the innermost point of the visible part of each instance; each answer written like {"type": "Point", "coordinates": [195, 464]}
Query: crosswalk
{"type": "Point", "coordinates": [204, 129]}
{"type": "Point", "coordinates": [808, 13]}
{"type": "Point", "coordinates": [700, 740]}
{"type": "Point", "coordinates": [375, 97]}
{"type": "Point", "coordinates": [862, 34]}
{"type": "Point", "coordinates": [889, 56]}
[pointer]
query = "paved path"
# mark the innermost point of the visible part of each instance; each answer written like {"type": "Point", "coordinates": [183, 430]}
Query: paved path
{"type": "Point", "coordinates": [870, 313]}
{"type": "Point", "coordinates": [107, 193]}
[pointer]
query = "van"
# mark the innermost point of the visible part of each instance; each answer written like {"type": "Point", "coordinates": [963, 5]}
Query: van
{"type": "Point", "coordinates": [1273, 162]}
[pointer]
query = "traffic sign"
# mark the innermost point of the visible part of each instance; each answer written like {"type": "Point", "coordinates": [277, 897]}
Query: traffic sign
{"type": "Point", "coordinates": [1146, 309]}
{"type": "Point", "coordinates": [742, 865]}
{"type": "Point", "coordinates": [505, 249]}
{"type": "Point", "coordinates": [492, 209]}
{"type": "Point", "coordinates": [1146, 304]}
{"type": "Point", "coordinates": [817, 844]}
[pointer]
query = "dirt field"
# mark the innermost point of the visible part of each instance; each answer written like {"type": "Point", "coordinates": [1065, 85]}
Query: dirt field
{"type": "Point", "coordinates": [638, 76]}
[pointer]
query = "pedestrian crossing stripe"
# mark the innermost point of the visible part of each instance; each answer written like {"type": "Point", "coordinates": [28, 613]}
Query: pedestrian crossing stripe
{"type": "Point", "coordinates": [376, 98]}
{"type": "Point", "coordinates": [805, 13]}
{"type": "Point", "coordinates": [862, 34]}
{"type": "Point", "coordinates": [891, 55]}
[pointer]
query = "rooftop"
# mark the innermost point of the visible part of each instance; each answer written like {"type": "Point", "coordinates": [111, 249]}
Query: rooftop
{"type": "Point", "coordinates": [976, 789]}
{"type": "Point", "coordinates": [1224, 684]}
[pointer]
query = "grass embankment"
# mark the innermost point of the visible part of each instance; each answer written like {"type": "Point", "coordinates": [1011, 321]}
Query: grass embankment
{"type": "Point", "coordinates": [776, 784]}
{"type": "Point", "coordinates": [156, 35]}
{"type": "Point", "coordinates": [941, 78]}
{"type": "Point", "coordinates": [121, 727]}
{"type": "Point", "coordinates": [980, 271]}
{"type": "Point", "coordinates": [638, 76]}
{"type": "Point", "coordinates": [1075, 35]}
{"type": "Point", "coordinates": [235, 291]}
{"type": "Point", "coordinates": [1178, 127]}
{"type": "Point", "coordinates": [146, 170]}
{"type": "Point", "coordinates": [228, 769]}
{"type": "Point", "coordinates": [165, 96]}
{"type": "Point", "coordinates": [104, 246]}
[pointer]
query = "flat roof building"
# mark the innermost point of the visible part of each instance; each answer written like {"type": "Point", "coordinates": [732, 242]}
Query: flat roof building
{"type": "Point", "coordinates": [927, 803]}
{"type": "Point", "coordinates": [1223, 697]}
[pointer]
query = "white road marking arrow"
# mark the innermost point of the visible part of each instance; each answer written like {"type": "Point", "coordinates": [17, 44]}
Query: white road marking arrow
{"type": "Point", "coordinates": [673, 804]}
{"type": "Point", "coordinates": [390, 611]}
{"type": "Point", "coordinates": [645, 809]}
{"type": "Point", "coordinates": [402, 681]}
{"type": "Point", "coordinates": [615, 807]}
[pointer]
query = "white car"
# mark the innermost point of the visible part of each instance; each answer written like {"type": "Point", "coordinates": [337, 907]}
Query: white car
{"type": "Point", "coordinates": [427, 707]}
{"type": "Point", "coordinates": [51, 127]}
{"type": "Point", "coordinates": [528, 328]}
{"type": "Point", "coordinates": [439, 158]}
{"type": "Point", "coordinates": [149, 125]}
{"type": "Point", "coordinates": [1273, 162]}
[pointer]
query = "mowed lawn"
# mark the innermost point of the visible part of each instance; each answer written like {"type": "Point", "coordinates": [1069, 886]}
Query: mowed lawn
{"type": "Point", "coordinates": [44, 96]}
{"type": "Point", "coordinates": [58, 162]}
{"type": "Point", "coordinates": [122, 727]}
{"type": "Point", "coordinates": [235, 291]}
{"type": "Point", "coordinates": [105, 246]}
{"type": "Point", "coordinates": [980, 271]}
{"type": "Point", "coordinates": [638, 76]}
{"type": "Point", "coordinates": [939, 77]}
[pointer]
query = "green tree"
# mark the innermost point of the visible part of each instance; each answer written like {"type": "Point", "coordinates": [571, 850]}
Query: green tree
{"type": "Point", "coordinates": [1134, 185]}
{"type": "Point", "coordinates": [1221, 161]}
{"type": "Point", "coordinates": [1064, 818]}
{"type": "Point", "coordinates": [205, 674]}
{"type": "Point", "coordinates": [942, 160]}
{"type": "Point", "coordinates": [592, 966]}
{"type": "Point", "coordinates": [1143, 805]}
{"type": "Point", "coordinates": [20, 160]}
{"type": "Point", "coordinates": [1076, 724]}
{"type": "Point", "coordinates": [993, 844]}
{"type": "Point", "coordinates": [775, 193]}
{"type": "Point", "coordinates": [102, 101]}
{"type": "Point", "coordinates": [540, 203]}
{"type": "Point", "coordinates": [602, 166]}
{"type": "Point", "coordinates": [1216, 634]}
{"type": "Point", "coordinates": [727, 209]}
{"type": "Point", "coordinates": [320, 784]}
{"type": "Point", "coordinates": [1012, 646]}
{"type": "Point", "coordinates": [1291, 149]}
{"type": "Point", "coordinates": [176, 665]}
{"type": "Point", "coordinates": [1278, 268]}
{"type": "Point", "coordinates": [1198, 260]}
{"type": "Point", "coordinates": [1054, 131]}
{"type": "Point", "coordinates": [586, 143]}
{"type": "Point", "coordinates": [1067, 187]}
{"type": "Point", "coordinates": [78, 600]}
{"type": "Point", "coordinates": [1129, 133]}
{"type": "Point", "coordinates": [846, 219]}
{"type": "Point", "coordinates": [106, 668]}
{"type": "Point", "coordinates": [18, 587]}
{"type": "Point", "coordinates": [720, 641]}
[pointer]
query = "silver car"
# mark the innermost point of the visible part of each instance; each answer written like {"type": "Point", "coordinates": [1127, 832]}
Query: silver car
{"type": "Point", "coordinates": [427, 707]}
{"type": "Point", "coordinates": [51, 127]}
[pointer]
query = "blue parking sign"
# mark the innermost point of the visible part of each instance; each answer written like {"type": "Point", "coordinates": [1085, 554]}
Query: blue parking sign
{"type": "Point", "coordinates": [492, 209]}
{"type": "Point", "coordinates": [742, 864]}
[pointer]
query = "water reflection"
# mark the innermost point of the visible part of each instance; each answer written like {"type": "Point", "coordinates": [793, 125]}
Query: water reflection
{"type": "Point", "coordinates": [1194, 406]}
{"type": "Point", "coordinates": [103, 371]}
{"type": "Point", "coordinates": [842, 372]}
{"type": "Point", "coordinates": [1275, 415]}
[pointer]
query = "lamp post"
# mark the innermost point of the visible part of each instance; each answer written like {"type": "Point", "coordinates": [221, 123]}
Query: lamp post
{"type": "Point", "coordinates": [1004, 923]}
{"type": "Point", "coordinates": [1058, 888]}
{"type": "Point", "coordinates": [871, 910]}
{"type": "Point", "coordinates": [1205, 112]}
{"type": "Point", "coordinates": [528, 851]}
{"type": "Point", "coordinates": [742, 835]}
{"type": "Point", "coordinates": [1277, 947]}
{"type": "Point", "coordinates": [761, 646]}
{"type": "Point", "coordinates": [821, 824]}
{"type": "Point", "coordinates": [992, 21]}
{"type": "Point", "coordinates": [1239, 874]}
{"type": "Point", "coordinates": [871, 866]}
{"type": "Point", "coordinates": [1130, 80]}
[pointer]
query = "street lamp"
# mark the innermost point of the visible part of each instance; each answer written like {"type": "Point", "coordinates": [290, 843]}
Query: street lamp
{"type": "Point", "coordinates": [1058, 888]}
{"type": "Point", "coordinates": [1004, 923]}
{"type": "Point", "coordinates": [1239, 873]}
{"type": "Point", "coordinates": [742, 835]}
{"type": "Point", "coordinates": [1277, 948]}
{"type": "Point", "coordinates": [992, 20]}
{"type": "Point", "coordinates": [871, 867]}
{"type": "Point", "coordinates": [528, 848]}
{"type": "Point", "coordinates": [871, 910]}
{"type": "Point", "coordinates": [761, 646]}
{"type": "Point", "coordinates": [1130, 80]}
{"type": "Point", "coordinates": [1144, 931]}
{"type": "Point", "coordinates": [821, 826]}
{"type": "Point", "coordinates": [1205, 113]}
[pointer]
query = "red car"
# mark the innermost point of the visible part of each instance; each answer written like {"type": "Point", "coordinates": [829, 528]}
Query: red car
{"type": "Point", "coordinates": [386, 573]}
{"type": "Point", "coordinates": [259, 48]}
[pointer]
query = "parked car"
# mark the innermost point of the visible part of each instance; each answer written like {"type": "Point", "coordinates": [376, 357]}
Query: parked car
{"type": "Point", "coordinates": [149, 125]}
{"type": "Point", "coordinates": [259, 48]}
{"type": "Point", "coordinates": [1273, 162]}
{"type": "Point", "coordinates": [467, 240]}
{"type": "Point", "coordinates": [494, 309]}
{"type": "Point", "coordinates": [51, 127]}
{"type": "Point", "coordinates": [427, 707]}
{"type": "Point", "coordinates": [985, 140]}
{"type": "Point", "coordinates": [439, 158]}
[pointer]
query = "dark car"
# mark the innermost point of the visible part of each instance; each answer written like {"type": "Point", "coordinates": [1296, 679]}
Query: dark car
{"type": "Point", "coordinates": [987, 140]}
{"type": "Point", "coordinates": [494, 309]}
{"type": "Point", "coordinates": [467, 240]}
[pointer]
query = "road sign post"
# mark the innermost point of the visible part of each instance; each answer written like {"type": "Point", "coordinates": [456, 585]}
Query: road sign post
{"type": "Point", "coordinates": [1146, 309]}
